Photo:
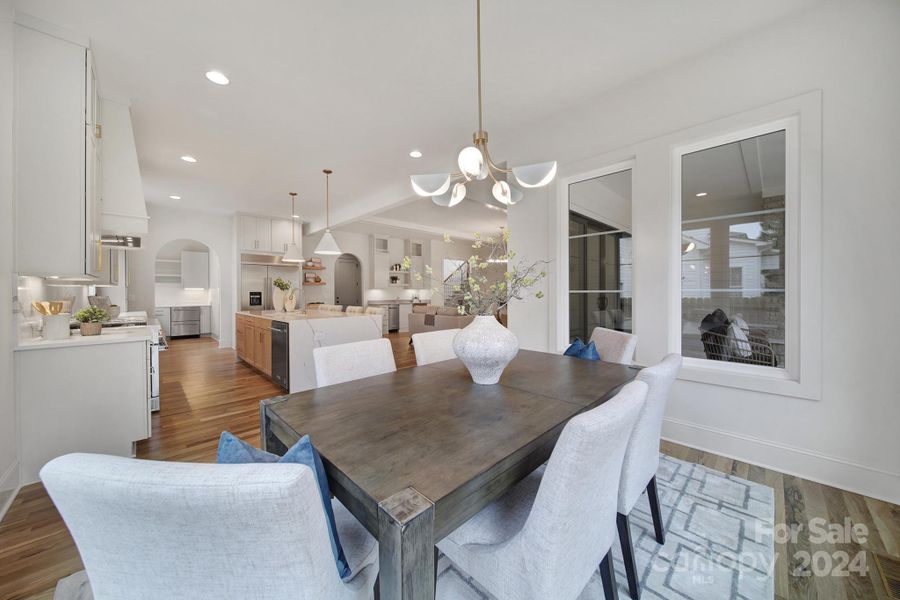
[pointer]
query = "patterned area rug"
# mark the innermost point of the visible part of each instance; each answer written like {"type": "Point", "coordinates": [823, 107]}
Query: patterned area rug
{"type": "Point", "coordinates": [719, 542]}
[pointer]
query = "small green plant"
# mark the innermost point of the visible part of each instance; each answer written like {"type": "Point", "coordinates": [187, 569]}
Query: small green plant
{"type": "Point", "coordinates": [91, 314]}
{"type": "Point", "coordinates": [281, 284]}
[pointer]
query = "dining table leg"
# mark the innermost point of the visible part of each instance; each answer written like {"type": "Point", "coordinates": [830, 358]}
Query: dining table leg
{"type": "Point", "coordinates": [406, 546]}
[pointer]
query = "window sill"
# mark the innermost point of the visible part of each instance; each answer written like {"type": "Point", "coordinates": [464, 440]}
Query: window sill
{"type": "Point", "coordinates": [768, 380]}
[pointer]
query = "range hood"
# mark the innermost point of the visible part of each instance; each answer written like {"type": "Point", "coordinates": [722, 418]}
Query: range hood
{"type": "Point", "coordinates": [124, 210]}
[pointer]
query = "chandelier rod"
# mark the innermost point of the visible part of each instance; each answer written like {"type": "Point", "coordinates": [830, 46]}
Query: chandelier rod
{"type": "Point", "coordinates": [478, 54]}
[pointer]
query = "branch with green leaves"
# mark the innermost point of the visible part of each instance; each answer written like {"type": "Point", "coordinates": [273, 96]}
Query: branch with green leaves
{"type": "Point", "coordinates": [479, 295]}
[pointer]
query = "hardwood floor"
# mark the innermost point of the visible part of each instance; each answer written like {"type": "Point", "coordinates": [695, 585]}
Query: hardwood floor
{"type": "Point", "coordinates": [205, 391]}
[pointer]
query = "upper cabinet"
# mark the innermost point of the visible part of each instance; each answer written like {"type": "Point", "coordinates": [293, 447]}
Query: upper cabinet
{"type": "Point", "coordinates": [260, 234]}
{"type": "Point", "coordinates": [194, 270]}
{"type": "Point", "coordinates": [387, 260]}
{"type": "Point", "coordinates": [57, 158]}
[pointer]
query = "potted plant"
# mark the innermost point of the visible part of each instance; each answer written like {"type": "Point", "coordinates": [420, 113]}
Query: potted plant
{"type": "Point", "coordinates": [280, 287]}
{"type": "Point", "coordinates": [485, 346]}
{"type": "Point", "coordinates": [91, 319]}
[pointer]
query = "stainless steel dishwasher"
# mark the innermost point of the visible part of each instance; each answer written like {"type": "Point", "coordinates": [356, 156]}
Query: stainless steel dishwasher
{"type": "Point", "coordinates": [281, 369]}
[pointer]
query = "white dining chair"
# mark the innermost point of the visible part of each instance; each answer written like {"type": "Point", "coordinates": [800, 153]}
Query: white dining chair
{"type": "Point", "coordinates": [545, 537]}
{"type": "Point", "coordinates": [642, 461]}
{"type": "Point", "coordinates": [346, 362]}
{"type": "Point", "coordinates": [148, 529]}
{"type": "Point", "coordinates": [434, 346]}
{"type": "Point", "coordinates": [614, 346]}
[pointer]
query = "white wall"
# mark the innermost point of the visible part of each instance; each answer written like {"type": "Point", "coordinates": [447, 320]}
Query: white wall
{"type": "Point", "coordinates": [168, 224]}
{"type": "Point", "coordinates": [850, 52]}
{"type": "Point", "coordinates": [9, 470]}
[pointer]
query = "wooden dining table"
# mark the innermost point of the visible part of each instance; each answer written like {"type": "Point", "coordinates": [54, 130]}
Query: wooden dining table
{"type": "Point", "coordinates": [415, 453]}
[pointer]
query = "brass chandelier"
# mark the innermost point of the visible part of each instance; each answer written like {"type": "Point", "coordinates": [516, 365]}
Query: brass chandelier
{"type": "Point", "coordinates": [475, 163]}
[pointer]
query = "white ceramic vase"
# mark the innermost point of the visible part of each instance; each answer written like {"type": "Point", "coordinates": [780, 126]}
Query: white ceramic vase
{"type": "Point", "coordinates": [485, 347]}
{"type": "Point", "coordinates": [290, 300]}
{"type": "Point", "coordinates": [277, 299]}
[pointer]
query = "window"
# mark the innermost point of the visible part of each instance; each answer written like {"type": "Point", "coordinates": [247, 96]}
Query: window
{"type": "Point", "coordinates": [733, 269]}
{"type": "Point", "coordinates": [600, 257]}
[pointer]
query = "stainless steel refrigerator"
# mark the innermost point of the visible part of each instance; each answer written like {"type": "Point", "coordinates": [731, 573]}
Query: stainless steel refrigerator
{"type": "Point", "coordinates": [256, 284]}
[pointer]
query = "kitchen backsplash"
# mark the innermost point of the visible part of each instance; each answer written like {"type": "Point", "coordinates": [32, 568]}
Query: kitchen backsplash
{"type": "Point", "coordinates": [401, 293]}
{"type": "Point", "coordinates": [172, 294]}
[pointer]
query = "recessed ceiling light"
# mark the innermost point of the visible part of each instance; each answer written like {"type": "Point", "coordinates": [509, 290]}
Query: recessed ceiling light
{"type": "Point", "coordinates": [701, 194]}
{"type": "Point", "coordinates": [175, 197]}
{"type": "Point", "coordinates": [52, 276]}
{"type": "Point", "coordinates": [415, 154]}
{"type": "Point", "coordinates": [296, 216]}
{"type": "Point", "coordinates": [217, 77]}
{"type": "Point", "coordinates": [189, 159]}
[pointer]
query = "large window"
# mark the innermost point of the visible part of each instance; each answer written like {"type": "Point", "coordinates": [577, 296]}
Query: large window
{"type": "Point", "coordinates": [600, 257]}
{"type": "Point", "coordinates": [733, 252]}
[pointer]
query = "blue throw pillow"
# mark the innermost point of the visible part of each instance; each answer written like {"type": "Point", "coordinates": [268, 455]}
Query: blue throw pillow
{"type": "Point", "coordinates": [589, 352]}
{"type": "Point", "coordinates": [233, 450]}
{"type": "Point", "coordinates": [575, 349]}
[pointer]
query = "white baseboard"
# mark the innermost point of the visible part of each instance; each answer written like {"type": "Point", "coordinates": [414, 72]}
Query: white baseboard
{"type": "Point", "coordinates": [11, 474]}
{"type": "Point", "coordinates": [828, 470]}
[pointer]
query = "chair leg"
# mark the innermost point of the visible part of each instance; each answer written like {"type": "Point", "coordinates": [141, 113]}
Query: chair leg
{"type": "Point", "coordinates": [655, 512]}
{"type": "Point", "coordinates": [634, 588]}
{"type": "Point", "coordinates": [608, 575]}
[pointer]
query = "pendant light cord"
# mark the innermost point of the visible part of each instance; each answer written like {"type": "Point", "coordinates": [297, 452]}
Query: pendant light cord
{"type": "Point", "coordinates": [478, 54]}
{"type": "Point", "coordinates": [327, 198]}
{"type": "Point", "coordinates": [293, 212]}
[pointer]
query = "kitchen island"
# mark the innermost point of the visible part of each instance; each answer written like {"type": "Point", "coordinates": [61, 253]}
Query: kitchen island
{"type": "Point", "coordinates": [287, 358]}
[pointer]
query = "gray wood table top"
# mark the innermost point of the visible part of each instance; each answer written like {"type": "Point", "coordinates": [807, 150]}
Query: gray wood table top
{"type": "Point", "coordinates": [433, 429]}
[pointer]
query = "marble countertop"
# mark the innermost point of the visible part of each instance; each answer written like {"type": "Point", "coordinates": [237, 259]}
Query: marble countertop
{"type": "Point", "coordinates": [401, 301]}
{"type": "Point", "coordinates": [113, 335]}
{"type": "Point", "coordinates": [298, 315]}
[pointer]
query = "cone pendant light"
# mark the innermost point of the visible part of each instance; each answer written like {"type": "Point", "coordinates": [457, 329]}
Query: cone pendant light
{"type": "Point", "coordinates": [327, 245]}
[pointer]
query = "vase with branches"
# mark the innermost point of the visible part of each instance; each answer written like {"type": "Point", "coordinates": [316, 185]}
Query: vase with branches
{"type": "Point", "coordinates": [485, 346]}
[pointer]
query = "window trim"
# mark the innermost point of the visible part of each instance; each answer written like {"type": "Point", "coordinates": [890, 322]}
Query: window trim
{"type": "Point", "coordinates": [800, 118]}
{"type": "Point", "coordinates": [560, 328]}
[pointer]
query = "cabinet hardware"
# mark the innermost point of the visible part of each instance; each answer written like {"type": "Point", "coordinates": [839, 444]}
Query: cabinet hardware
{"type": "Point", "coordinates": [98, 131]}
{"type": "Point", "coordinates": [100, 255]}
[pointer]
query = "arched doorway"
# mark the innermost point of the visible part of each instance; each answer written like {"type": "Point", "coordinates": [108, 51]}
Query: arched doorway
{"type": "Point", "coordinates": [187, 274]}
{"type": "Point", "coordinates": [347, 281]}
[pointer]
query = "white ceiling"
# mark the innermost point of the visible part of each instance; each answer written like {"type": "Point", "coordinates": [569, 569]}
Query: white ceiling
{"type": "Point", "coordinates": [355, 85]}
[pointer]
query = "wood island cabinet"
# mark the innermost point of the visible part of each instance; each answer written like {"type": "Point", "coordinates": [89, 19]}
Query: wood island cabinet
{"type": "Point", "coordinates": [253, 337]}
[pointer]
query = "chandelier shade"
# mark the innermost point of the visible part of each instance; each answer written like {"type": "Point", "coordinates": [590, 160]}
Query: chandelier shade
{"type": "Point", "coordinates": [475, 162]}
{"type": "Point", "coordinates": [537, 175]}
{"type": "Point", "coordinates": [430, 185]}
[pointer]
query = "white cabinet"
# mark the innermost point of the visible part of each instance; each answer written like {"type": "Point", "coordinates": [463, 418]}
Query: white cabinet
{"type": "Point", "coordinates": [281, 235]}
{"type": "Point", "coordinates": [381, 262]}
{"type": "Point", "coordinates": [57, 158]}
{"type": "Point", "coordinates": [256, 234]}
{"type": "Point", "coordinates": [194, 270]}
{"type": "Point", "coordinates": [205, 320]}
{"type": "Point", "coordinates": [405, 311]}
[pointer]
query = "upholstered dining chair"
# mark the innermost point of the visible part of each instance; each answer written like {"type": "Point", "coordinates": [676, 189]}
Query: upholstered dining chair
{"type": "Point", "coordinates": [642, 461]}
{"type": "Point", "coordinates": [354, 310]}
{"type": "Point", "coordinates": [346, 362]}
{"type": "Point", "coordinates": [545, 537]}
{"type": "Point", "coordinates": [434, 346]}
{"type": "Point", "coordinates": [614, 346]}
{"type": "Point", "coordinates": [374, 310]}
{"type": "Point", "coordinates": [148, 529]}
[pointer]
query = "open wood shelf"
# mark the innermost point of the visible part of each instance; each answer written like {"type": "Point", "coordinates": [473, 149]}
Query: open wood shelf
{"type": "Point", "coordinates": [314, 268]}
{"type": "Point", "coordinates": [314, 283]}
